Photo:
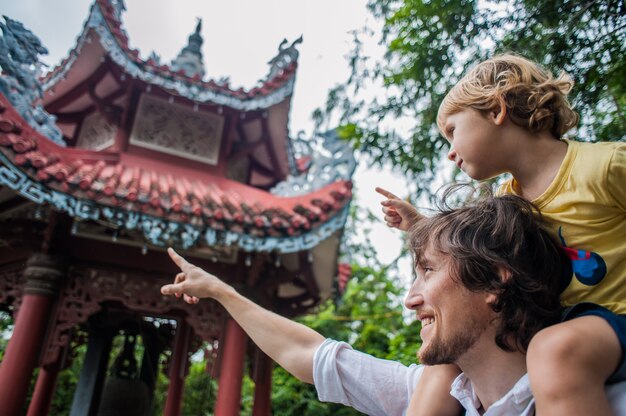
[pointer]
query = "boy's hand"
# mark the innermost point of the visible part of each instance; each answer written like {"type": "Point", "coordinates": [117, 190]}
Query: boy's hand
{"type": "Point", "coordinates": [192, 282]}
{"type": "Point", "coordinates": [398, 213]}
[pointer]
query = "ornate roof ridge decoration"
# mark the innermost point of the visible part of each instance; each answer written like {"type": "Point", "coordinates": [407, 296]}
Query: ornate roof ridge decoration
{"type": "Point", "coordinates": [190, 57]}
{"type": "Point", "coordinates": [19, 62]}
{"type": "Point", "coordinates": [104, 19]}
{"type": "Point", "coordinates": [118, 8]}
{"type": "Point", "coordinates": [321, 161]}
{"type": "Point", "coordinates": [287, 56]}
{"type": "Point", "coordinates": [168, 210]}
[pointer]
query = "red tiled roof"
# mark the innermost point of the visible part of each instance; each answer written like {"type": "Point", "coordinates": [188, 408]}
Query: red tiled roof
{"type": "Point", "coordinates": [149, 65]}
{"type": "Point", "coordinates": [115, 180]}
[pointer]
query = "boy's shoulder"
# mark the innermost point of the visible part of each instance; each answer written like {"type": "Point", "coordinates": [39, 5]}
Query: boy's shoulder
{"type": "Point", "coordinates": [596, 151]}
{"type": "Point", "coordinates": [608, 147]}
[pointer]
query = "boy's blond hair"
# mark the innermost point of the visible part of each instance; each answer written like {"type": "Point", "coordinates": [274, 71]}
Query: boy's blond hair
{"type": "Point", "coordinates": [534, 99]}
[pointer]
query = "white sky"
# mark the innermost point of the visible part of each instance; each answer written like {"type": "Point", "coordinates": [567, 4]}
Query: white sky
{"type": "Point", "coordinates": [240, 36]}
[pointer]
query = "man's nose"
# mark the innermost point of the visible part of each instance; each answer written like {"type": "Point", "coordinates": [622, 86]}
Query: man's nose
{"type": "Point", "coordinates": [414, 298]}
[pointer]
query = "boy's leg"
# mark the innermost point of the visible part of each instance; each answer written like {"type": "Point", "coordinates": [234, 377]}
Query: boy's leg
{"type": "Point", "coordinates": [431, 396]}
{"type": "Point", "coordinates": [569, 363]}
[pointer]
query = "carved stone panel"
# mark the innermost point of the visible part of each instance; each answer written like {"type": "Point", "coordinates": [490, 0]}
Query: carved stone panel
{"type": "Point", "coordinates": [177, 130]}
{"type": "Point", "coordinates": [96, 133]}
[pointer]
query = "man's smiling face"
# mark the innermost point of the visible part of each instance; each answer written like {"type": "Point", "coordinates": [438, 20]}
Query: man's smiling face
{"type": "Point", "coordinates": [453, 318]}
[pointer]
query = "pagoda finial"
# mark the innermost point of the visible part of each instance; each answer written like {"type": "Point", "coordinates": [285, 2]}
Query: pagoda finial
{"type": "Point", "coordinates": [118, 8]}
{"type": "Point", "coordinates": [286, 56]}
{"type": "Point", "coordinates": [190, 57]}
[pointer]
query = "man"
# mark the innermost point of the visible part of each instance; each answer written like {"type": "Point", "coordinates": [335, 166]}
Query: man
{"type": "Point", "coordinates": [488, 278]}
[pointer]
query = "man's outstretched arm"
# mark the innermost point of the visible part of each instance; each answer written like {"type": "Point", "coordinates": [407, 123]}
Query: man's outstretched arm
{"type": "Point", "coordinates": [290, 344]}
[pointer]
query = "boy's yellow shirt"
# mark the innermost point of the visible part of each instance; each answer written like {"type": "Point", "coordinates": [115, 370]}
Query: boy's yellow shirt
{"type": "Point", "coordinates": [585, 207]}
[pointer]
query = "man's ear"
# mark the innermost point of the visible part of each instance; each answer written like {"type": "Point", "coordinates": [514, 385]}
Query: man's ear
{"type": "Point", "coordinates": [505, 275]}
{"type": "Point", "coordinates": [498, 116]}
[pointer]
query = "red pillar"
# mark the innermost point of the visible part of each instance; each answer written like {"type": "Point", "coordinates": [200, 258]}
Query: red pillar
{"type": "Point", "coordinates": [178, 369]}
{"type": "Point", "coordinates": [44, 390]}
{"type": "Point", "coordinates": [20, 359]}
{"type": "Point", "coordinates": [262, 385]}
{"type": "Point", "coordinates": [231, 374]}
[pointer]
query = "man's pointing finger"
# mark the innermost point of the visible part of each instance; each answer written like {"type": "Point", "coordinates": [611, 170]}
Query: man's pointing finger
{"type": "Point", "coordinates": [178, 259]}
{"type": "Point", "coordinates": [174, 289]}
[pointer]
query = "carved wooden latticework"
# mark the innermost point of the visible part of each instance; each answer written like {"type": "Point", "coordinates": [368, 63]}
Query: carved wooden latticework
{"type": "Point", "coordinates": [12, 287]}
{"type": "Point", "coordinates": [88, 288]}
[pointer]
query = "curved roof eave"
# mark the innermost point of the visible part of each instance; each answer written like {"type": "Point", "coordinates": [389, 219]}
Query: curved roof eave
{"type": "Point", "coordinates": [185, 212]}
{"type": "Point", "coordinates": [112, 37]}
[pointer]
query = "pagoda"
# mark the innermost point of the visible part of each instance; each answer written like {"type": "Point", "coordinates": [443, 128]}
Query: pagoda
{"type": "Point", "coordinates": [110, 158]}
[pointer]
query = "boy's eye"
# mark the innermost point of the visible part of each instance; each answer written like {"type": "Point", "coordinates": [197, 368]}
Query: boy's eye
{"type": "Point", "coordinates": [426, 269]}
{"type": "Point", "coordinates": [450, 132]}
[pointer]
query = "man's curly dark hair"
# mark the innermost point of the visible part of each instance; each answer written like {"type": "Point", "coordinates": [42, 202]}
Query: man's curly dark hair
{"type": "Point", "coordinates": [495, 233]}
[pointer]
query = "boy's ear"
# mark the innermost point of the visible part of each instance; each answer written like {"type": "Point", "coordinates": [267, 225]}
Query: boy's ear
{"type": "Point", "coordinates": [499, 115]}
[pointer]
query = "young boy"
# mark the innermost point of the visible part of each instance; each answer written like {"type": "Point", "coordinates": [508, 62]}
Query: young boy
{"type": "Point", "coordinates": [509, 115]}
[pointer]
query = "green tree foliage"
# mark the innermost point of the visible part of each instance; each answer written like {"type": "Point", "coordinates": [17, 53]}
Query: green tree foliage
{"type": "Point", "coordinates": [200, 390]}
{"type": "Point", "coordinates": [66, 383]}
{"type": "Point", "coordinates": [429, 44]}
{"type": "Point", "coordinates": [6, 329]}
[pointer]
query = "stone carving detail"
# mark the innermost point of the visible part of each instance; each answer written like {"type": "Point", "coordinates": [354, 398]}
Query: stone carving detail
{"type": "Point", "coordinates": [19, 61]}
{"type": "Point", "coordinates": [332, 159]}
{"type": "Point", "coordinates": [96, 133]}
{"type": "Point", "coordinates": [178, 130]}
{"type": "Point", "coordinates": [87, 289]}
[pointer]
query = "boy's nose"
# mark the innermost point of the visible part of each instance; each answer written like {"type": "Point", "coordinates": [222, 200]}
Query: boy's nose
{"type": "Point", "coordinates": [452, 154]}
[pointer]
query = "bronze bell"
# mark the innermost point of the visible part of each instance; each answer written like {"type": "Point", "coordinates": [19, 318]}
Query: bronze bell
{"type": "Point", "coordinates": [124, 393]}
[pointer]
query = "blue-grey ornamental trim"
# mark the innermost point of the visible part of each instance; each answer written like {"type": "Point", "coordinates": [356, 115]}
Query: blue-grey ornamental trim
{"type": "Point", "coordinates": [157, 231]}
{"type": "Point", "coordinates": [332, 160]}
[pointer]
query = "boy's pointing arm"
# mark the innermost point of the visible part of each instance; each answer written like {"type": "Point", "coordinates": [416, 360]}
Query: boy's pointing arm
{"type": "Point", "coordinates": [398, 213]}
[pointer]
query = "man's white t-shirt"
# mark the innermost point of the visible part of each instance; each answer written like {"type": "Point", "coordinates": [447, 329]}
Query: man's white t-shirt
{"type": "Point", "coordinates": [382, 387]}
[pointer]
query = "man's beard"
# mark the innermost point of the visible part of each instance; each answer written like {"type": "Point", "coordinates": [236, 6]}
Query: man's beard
{"type": "Point", "coordinates": [448, 351]}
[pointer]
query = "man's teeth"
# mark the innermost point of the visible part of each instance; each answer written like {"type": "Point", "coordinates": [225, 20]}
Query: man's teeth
{"type": "Point", "coordinates": [427, 321]}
